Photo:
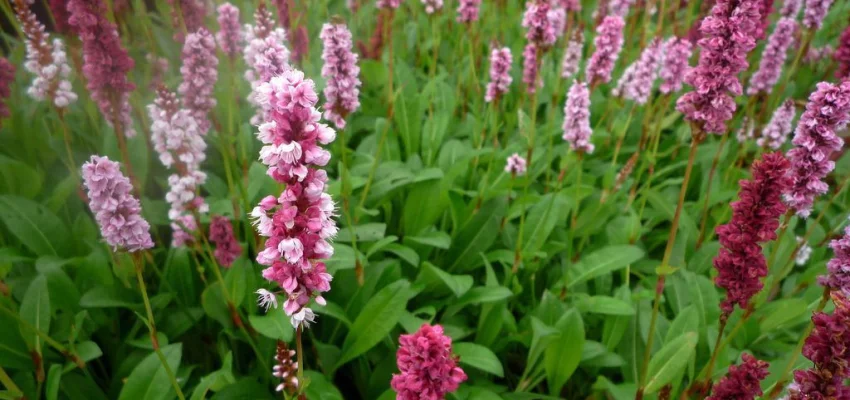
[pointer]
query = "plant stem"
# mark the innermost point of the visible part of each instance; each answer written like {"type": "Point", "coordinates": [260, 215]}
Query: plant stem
{"type": "Point", "coordinates": [10, 384]}
{"type": "Point", "coordinates": [300, 349]}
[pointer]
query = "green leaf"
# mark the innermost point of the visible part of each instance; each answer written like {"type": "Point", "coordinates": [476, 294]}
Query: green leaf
{"type": "Point", "coordinates": [480, 357]}
{"type": "Point", "coordinates": [542, 218]}
{"type": "Point", "coordinates": [108, 296]}
{"type": "Point", "coordinates": [476, 236]}
{"type": "Point", "coordinates": [670, 361]}
{"type": "Point", "coordinates": [604, 305]}
{"type": "Point", "coordinates": [214, 304]}
{"type": "Point", "coordinates": [19, 178]}
{"type": "Point", "coordinates": [564, 353]}
{"type": "Point", "coordinates": [34, 225]}
{"type": "Point", "coordinates": [438, 239]}
{"type": "Point", "coordinates": [686, 321]}
{"type": "Point", "coordinates": [376, 320]}
{"type": "Point", "coordinates": [54, 376]}
{"type": "Point", "coordinates": [782, 312]}
{"type": "Point", "coordinates": [603, 261]}
{"type": "Point", "coordinates": [365, 233]}
{"type": "Point", "coordinates": [35, 310]}
{"type": "Point", "coordinates": [274, 325]}
{"type": "Point", "coordinates": [405, 253]}
{"type": "Point", "coordinates": [149, 381]}
{"type": "Point", "coordinates": [458, 284]}
{"type": "Point", "coordinates": [425, 203]}
{"type": "Point", "coordinates": [320, 388]}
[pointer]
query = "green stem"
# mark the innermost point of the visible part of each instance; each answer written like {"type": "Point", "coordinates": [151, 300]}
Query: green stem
{"type": "Point", "coordinates": [10, 384]}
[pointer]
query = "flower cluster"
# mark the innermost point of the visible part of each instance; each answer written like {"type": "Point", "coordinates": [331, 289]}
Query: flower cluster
{"type": "Point", "coordinates": [190, 12]}
{"type": "Point", "coordinates": [815, 12]}
{"type": "Point", "coordinates": [577, 118]}
{"type": "Point", "coordinates": [838, 269]}
{"type": "Point", "coordinates": [48, 63]}
{"type": "Point", "coordinates": [7, 76]}
{"type": "Point", "coordinates": [773, 57]}
{"type": "Point", "coordinates": [285, 368]}
{"type": "Point", "coordinates": [298, 223]}
{"type": "Point", "coordinates": [227, 248]}
{"type": "Point", "coordinates": [105, 62]}
{"type": "Point", "coordinates": [620, 8]}
{"type": "Point", "coordinates": [572, 56]}
{"type": "Point", "coordinates": [199, 72]}
{"type": "Point", "coordinates": [677, 52]}
{"type": "Point", "coordinates": [842, 55]}
{"type": "Point", "coordinates": [765, 8]}
{"type": "Point", "coordinates": [265, 54]}
{"type": "Point", "coordinates": [608, 43]}
{"type": "Point", "coordinates": [776, 132]}
{"type": "Point", "coordinates": [468, 10]}
{"type": "Point", "coordinates": [116, 211]}
{"type": "Point", "coordinates": [429, 371]}
{"type": "Point", "coordinates": [432, 6]}
{"type": "Point", "coordinates": [742, 381]}
{"type": "Point", "coordinates": [828, 347]}
{"type": "Point", "coordinates": [827, 112]}
{"type": "Point", "coordinates": [755, 216]}
{"type": "Point", "coordinates": [340, 69]}
{"type": "Point", "coordinates": [539, 22]}
{"type": "Point", "coordinates": [516, 165]}
{"type": "Point", "coordinates": [790, 8]}
{"type": "Point", "coordinates": [229, 36]}
{"type": "Point", "coordinates": [500, 73]}
{"type": "Point", "coordinates": [639, 78]}
{"type": "Point", "coordinates": [728, 35]}
{"type": "Point", "coordinates": [531, 67]}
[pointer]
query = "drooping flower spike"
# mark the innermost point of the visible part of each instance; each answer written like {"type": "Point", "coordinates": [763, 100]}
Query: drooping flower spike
{"type": "Point", "coordinates": [432, 6]}
{"type": "Point", "coordinates": [429, 371]}
{"type": "Point", "coordinates": [341, 71]}
{"type": "Point", "coordinates": [531, 68]}
{"type": "Point", "coordinates": [842, 55]}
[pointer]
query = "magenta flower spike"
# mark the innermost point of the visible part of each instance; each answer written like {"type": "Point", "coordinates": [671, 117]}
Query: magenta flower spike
{"type": "Point", "coordinates": [429, 371]}
{"type": "Point", "coordinates": [571, 5]}
{"type": "Point", "coordinates": [227, 248]}
{"type": "Point", "coordinates": [500, 73]}
{"type": "Point", "coordinates": [827, 112]}
{"type": "Point", "coordinates": [620, 8]}
{"type": "Point", "coordinates": [742, 381]}
{"type": "Point", "coordinates": [117, 212]}
{"type": "Point", "coordinates": [773, 57]}
{"type": "Point", "coordinates": [814, 13]}
{"type": "Point", "coordinates": [608, 44]}
{"type": "Point", "coordinates": [190, 16]}
{"type": "Point", "coordinates": [299, 223]}
{"type": "Point", "coordinates": [572, 56]}
{"type": "Point", "coordinates": [531, 68]}
{"type": "Point", "coordinates": [765, 8]}
{"type": "Point", "coordinates": [838, 268]}
{"type": "Point", "coordinates": [790, 8]}
{"type": "Point", "coordinates": [516, 165]}
{"type": "Point", "coordinates": [341, 71]}
{"type": "Point", "coordinates": [674, 67]}
{"type": "Point", "coordinates": [577, 118]}
{"type": "Point", "coordinates": [639, 78]}
{"type": "Point", "coordinates": [468, 11]}
{"type": "Point", "coordinates": [777, 130]}
{"type": "Point", "coordinates": [229, 36]}
{"type": "Point", "coordinates": [539, 20]}
{"type": "Point", "coordinates": [7, 76]}
{"type": "Point", "coordinates": [842, 55]}
{"type": "Point", "coordinates": [105, 62]}
{"type": "Point", "coordinates": [728, 35]}
{"type": "Point", "coordinates": [828, 347]}
{"type": "Point", "coordinates": [59, 10]}
{"type": "Point", "coordinates": [200, 73]}
{"type": "Point", "coordinates": [755, 216]}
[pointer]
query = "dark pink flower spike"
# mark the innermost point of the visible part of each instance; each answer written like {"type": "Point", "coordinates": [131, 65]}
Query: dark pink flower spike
{"type": "Point", "coordinates": [742, 382]}
{"type": "Point", "coordinates": [828, 347]}
{"type": "Point", "coordinates": [429, 371]}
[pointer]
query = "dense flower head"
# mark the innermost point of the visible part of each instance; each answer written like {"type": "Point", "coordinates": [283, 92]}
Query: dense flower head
{"type": "Point", "coordinates": [59, 11]}
{"type": "Point", "coordinates": [299, 223]}
{"type": "Point", "coordinates": [432, 6]}
{"type": "Point", "coordinates": [842, 55]}
{"type": "Point", "coordinates": [390, 4]}
{"type": "Point", "coordinates": [531, 68]}
{"type": "Point", "coordinates": [468, 11]}
{"type": "Point", "coordinates": [227, 248]}
{"type": "Point", "coordinates": [229, 36]}
{"type": "Point", "coordinates": [815, 12]}
{"type": "Point", "coordinates": [728, 35]}
{"type": "Point", "coordinates": [265, 54]}
{"type": "Point", "coordinates": [116, 211]}
{"type": "Point", "coordinates": [765, 8]}
{"type": "Point", "coordinates": [572, 56]}
{"type": "Point", "coordinates": [47, 62]}
{"type": "Point", "coordinates": [7, 76]}
{"type": "Point", "coordinates": [608, 44]}
{"type": "Point", "coordinates": [674, 67]}
{"type": "Point", "coordinates": [755, 216]}
{"type": "Point", "coordinates": [773, 57]}
{"type": "Point", "coordinates": [200, 73]}
{"type": "Point", "coordinates": [620, 7]}
{"type": "Point", "coordinates": [341, 71]}
{"type": "Point", "coordinates": [828, 347]}
{"type": "Point", "coordinates": [429, 371]}
{"type": "Point", "coordinates": [827, 112]}
{"type": "Point", "coordinates": [105, 62]}
{"type": "Point", "coordinates": [577, 118]}
{"type": "Point", "coordinates": [790, 8]}
{"type": "Point", "coordinates": [188, 14]}
{"type": "Point", "coordinates": [539, 21]}
{"type": "Point", "coordinates": [500, 73]}
{"type": "Point", "coordinates": [838, 268]}
{"type": "Point", "coordinates": [742, 382]}
{"type": "Point", "coordinates": [639, 78]}
{"type": "Point", "coordinates": [516, 165]}
{"type": "Point", "coordinates": [776, 132]}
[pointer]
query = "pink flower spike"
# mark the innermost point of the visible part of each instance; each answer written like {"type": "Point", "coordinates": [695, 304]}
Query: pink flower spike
{"type": "Point", "coordinates": [468, 10]}
{"type": "Point", "coordinates": [815, 13]}
{"type": "Point", "coordinates": [572, 56]}
{"type": "Point", "coordinates": [229, 36]}
{"type": "Point", "coordinates": [773, 57]}
{"type": "Point", "coordinates": [538, 20]}
{"type": "Point", "coordinates": [674, 67]}
{"type": "Point", "coordinates": [341, 72]}
{"type": "Point", "coordinates": [387, 4]}
{"type": "Point", "coordinates": [620, 8]}
{"type": "Point", "coordinates": [842, 55]}
{"type": "Point", "coordinates": [790, 8]}
{"type": "Point", "coordinates": [199, 76]}
{"type": "Point", "coordinates": [838, 268]}
{"type": "Point", "coordinates": [429, 371]}
{"type": "Point", "coordinates": [577, 118]}
{"type": "Point", "coordinates": [531, 68]}
{"type": "Point", "coordinates": [828, 347]}
{"type": "Point", "coordinates": [432, 6]}
{"type": "Point", "coordinates": [227, 248]}
{"type": "Point", "coordinates": [608, 44]}
{"type": "Point", "coordinates": [516, 165]}
{"type": "Point", "coordinates": [776, 132]}
{"type": "Point", "coordinates": [7, 76]}
{"type": "Point", "coordinates": [500, 73]}
{"type": "Point", "coordinates": [639, 78]}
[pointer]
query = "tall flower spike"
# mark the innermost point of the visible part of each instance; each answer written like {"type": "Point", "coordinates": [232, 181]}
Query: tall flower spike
{"type": "Point", "coordinates": [227, 248]}
{"type": "Point", "coordinates": [674, 67]}
{"type": "Point", "coordinates": [608, 43]}
{"type": "Point", "coordinates": [577, 118]}
{"type": "Point", "coordinates": [340, 69]}
{"type": "Point", "coordinates": [790, 8]}
{"type": "Point", "coordinates": [468, 10]}
{"type": "Point", "coordinates": [814, 13]}
{"type": "Point", "coordinates": [827, 112]}
{"type": "Point", "coordinates": [755, 216]}
{"type": "Point", "coordinates": [538, 20]}
{"type": "Point", "coordinates": [299, 223]}
{"type": "Point", "coordinates": [59, 11]}
{"type": "Point", "coordinates": [773, 57]}
{"type": "Point", "coordinates": [765, 8]}
{"type": "Point", "coordinates": [728, 35]}
{"type": "Point", "coordinates": [742, 381]}
{"type": "Point", "coordinates": [572, 56]}
{"type": "Point", "coordinates": [48, 63]}
{"type": "Point", "coordinates": [620, 8]}
{"type": "Point", "coordinates": [105, 62]}
{"type": "Point", "coordinates": [432, 6]}
{"type": "Point", "coordinates": [842, 55]}
{"type": "Point", "coordinates": [531, 68]}
{"type": "Point", "coordinates": [229, 34]}
{"type": "Point", "coordinates": [639, 78]}
{"type": "Point", "coordinates": [265, 54]}
{"type": "Point", "coordinates": [188, 14]}
{"type": "Point", "coordinates": [776, 132]}
{"type": "Point", "coordinates": [116, 211]}
{"type": "Point", "coordinates": [7, 76]}
{"type": "Point", "coordinates": [429, 371]}
{"type": "Point", "coordinates": [199, 76]}
{"type": "Point", "coordinates": [516, 165]}
{"type": "Point", "coordinates": [500, 73]}
{"type": "Point", "coordinates": [828, 346]}
{"type": "Point", "coordinates": [838, 269]}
